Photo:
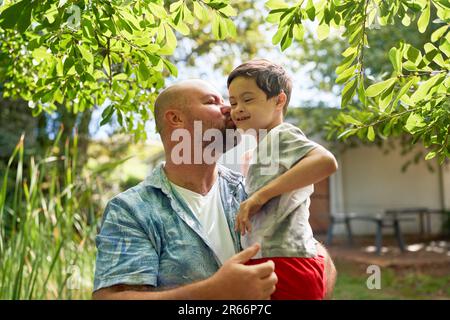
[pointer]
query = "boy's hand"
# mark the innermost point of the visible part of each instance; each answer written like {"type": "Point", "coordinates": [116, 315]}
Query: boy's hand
{"type": "Point", "coordinates": [247, 209]}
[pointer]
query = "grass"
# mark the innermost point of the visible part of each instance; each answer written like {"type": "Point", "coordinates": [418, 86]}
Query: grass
{"type": "Point", "coordinates": [47, 230]}
{"type": "Point", "coordinates": [395, 284]}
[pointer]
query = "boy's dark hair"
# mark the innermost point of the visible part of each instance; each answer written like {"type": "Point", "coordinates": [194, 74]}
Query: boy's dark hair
{"type": "Point", "coordinates": [270, 78]}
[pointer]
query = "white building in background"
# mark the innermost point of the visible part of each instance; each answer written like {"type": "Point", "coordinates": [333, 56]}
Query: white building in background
{"type": "Point", "coordinates": [369, 181]}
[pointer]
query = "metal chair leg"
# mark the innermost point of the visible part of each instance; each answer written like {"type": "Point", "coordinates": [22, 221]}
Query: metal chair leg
{"type": "Point", "coordinates": [399, 236]}
{"type": "Point", "coordinates": [349, 232]}
{"type": "Point", "coordinates": [330, 232]}
{"type": "Point", "coordinates": [379, 237]}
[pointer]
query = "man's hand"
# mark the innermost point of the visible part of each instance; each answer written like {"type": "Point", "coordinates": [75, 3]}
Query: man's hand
{"type": "Point", "coordinates": [247, 209]}
{"type": "Point", "coordinates": [233, 281]}
{"type": "Point", "coordinates": [236, 281]}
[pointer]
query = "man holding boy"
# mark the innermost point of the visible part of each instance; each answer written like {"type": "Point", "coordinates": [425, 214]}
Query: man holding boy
{"type": "Point", "coordinates": [156, 241]}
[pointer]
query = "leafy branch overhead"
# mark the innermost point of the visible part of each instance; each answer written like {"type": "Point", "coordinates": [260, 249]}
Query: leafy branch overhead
{"type": "Point", "coordinates": [81, 54]}
{"type": "Point", "coordinates": [413, 99]}
{"type": "Point", "coordinates": [85, 53]}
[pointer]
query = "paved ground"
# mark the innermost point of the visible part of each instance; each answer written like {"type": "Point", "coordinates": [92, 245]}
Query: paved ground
{"type": "Point", "coordinates": [421, 253]}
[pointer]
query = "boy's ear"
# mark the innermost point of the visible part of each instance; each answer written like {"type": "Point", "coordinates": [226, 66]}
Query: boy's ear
{"type": "Point", "coordinates": [281, 100]}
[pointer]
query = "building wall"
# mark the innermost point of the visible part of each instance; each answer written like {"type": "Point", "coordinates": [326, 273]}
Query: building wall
{"type": "Point", "coordinates": [368, 182]}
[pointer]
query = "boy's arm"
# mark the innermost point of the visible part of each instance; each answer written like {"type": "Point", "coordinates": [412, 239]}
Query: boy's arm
{"type": "Point", "coordinates": [318, 164]}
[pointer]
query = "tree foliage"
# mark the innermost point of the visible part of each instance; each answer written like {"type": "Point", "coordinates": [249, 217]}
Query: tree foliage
{"type": "Point", "coordinates": [413, 99]}
{"type": "Point", "coordinates": [81, 54]}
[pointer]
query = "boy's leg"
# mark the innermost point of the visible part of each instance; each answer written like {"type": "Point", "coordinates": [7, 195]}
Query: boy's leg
{"type": "Point", "coordinates": [330, 271]}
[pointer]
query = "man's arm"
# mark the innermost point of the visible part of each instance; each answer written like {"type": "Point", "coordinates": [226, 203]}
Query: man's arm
{"type": "Point", "coordinates": [233, 281]}
{"type": "Point", "coordinates": [318, 164]}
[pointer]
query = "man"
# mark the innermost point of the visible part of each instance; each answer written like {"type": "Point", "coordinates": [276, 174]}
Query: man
{"type": "Point", "coordinates": [172, 236]}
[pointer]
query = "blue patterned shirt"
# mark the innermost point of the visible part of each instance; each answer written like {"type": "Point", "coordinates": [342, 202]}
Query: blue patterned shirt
{"type": "Point", "coordinates": [149, 236]}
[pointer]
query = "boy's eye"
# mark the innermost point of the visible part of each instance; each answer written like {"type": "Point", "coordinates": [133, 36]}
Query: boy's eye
{"type": "Point", "coordinates": [248, 100]}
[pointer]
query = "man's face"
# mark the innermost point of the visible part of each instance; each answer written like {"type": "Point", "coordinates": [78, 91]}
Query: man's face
{"type": "Point", "coordinates": [250, 108]}
{"type": "Point", "coordinates": [205, 104]}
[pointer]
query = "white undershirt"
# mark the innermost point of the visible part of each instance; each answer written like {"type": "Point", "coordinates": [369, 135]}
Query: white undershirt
{"type": "Point", "coordinates": [209, 211]}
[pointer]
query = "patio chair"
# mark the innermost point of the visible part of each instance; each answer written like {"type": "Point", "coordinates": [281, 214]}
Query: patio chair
{"type": "Point", "coordinates": [381, 220]}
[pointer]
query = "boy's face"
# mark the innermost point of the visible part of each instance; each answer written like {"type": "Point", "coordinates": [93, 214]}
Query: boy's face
{"type": "Point", "coordinates": [250, 108]}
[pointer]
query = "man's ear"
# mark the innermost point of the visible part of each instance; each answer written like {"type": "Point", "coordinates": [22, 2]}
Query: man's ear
{"type": "Point", "coordinates": [174, 118]}
{"type": "Point", "coordinates": [281, 100]}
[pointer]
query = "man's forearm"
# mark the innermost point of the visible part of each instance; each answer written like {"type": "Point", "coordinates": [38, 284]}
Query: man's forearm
{"type": "Point", "coordinates": [196, 291]}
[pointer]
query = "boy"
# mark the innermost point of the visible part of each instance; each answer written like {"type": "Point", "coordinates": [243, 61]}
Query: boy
{"type": "Point", "coordinates": [277, 211]}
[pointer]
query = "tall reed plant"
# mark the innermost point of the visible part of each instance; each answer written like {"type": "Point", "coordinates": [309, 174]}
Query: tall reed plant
{"type": "Point", "coordinates": [47, 226]}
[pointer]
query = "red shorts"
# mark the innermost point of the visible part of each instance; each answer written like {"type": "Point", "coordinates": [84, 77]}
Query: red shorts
{"type": "Point", "coordinates": [298, 278]}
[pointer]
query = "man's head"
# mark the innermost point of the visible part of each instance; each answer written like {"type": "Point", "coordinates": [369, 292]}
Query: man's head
{"type": "Point", "coordinates": [181, 104]}
{"type": "Point", "coordinates": [259, 91]}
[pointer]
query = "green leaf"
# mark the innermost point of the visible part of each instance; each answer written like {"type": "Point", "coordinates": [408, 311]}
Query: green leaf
{"type": "Point", "coordinates": [430, 155]}
{"type": "Point", "coordinates": [424, 19]}
{"type": "Point", "coordinates": [380, 87]}
{"type": "Point", "coordinates": [426, 86]}
{"type": "Point", "coordinates": [158, 10]}
{"type": "Point", "coordinates": [347, 133]}
{"type": "Point", "coordinates": [310, 10]}
{"type": "Point", "coordinates": [345, 63]}
{"type": "Point", "coordinates": [87, 55]}
{"type": "Point", "coordinates": [216, 27]}
{"type": "Point", "coordinates": [445, 48]}
{"type": "Point", "coordinates": [347, 74]}
{"type": "Point", "coordinates": [174, 6]}
{"type": "Point", "coordinates": [436, 35]}
{"type": "Point", "coordinates": [371, 134]}
{"type": "Point", "coordinates": [413, 55]}
{"type": "Point", "coordinates": [275, 4]}
{"type": "Point", "coordinates": [41, 53]}
{"type": "Point", "coordinates": [172, 69]}
{"type": "Point", "coordinates": [10, 16]}
{"type": "Point", "coordinates": [414, 121]}
{"type": "Point", "coordinates": [25, 19]}
{"type": "Point", "coordinates": [299, 32]}
{"type": "Point", "coordinates": [107, 114]}
{"type": "Point", "coordinates": [105, 64]}
{"type": "Point", "coordinates": [323, 31]}
{"type": "Point", "coordinates": [402, 92]}
{"type": "Point", "coordinates": [144, 72]}
{"type": "Point", "coordinates": [286, 41]}
{"type": "Point", "coordinates": [348, 92]}
{"type": "Point", "coordinates": [278, 36]}
{"type": "Point", "coordinates": [171, 40]}
{"type": "Point", "coordinates": [349, 51]}
{"type": "Point", "coordinates": [406, 21]}
{"type": "Point", "coordinates": [200, 12]}
{"type": "Point", "coordinates": [395, 56]}
{"type": "Point", "coordinates": [385, 99]}
{"type": "Point", "coordinates": [228, 11]}
{"type": "Point", "coordinates": [350, 120]}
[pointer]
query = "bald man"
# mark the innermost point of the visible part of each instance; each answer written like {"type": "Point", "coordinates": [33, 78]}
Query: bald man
{"type": "Point", "coordinates": [172, 236]}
